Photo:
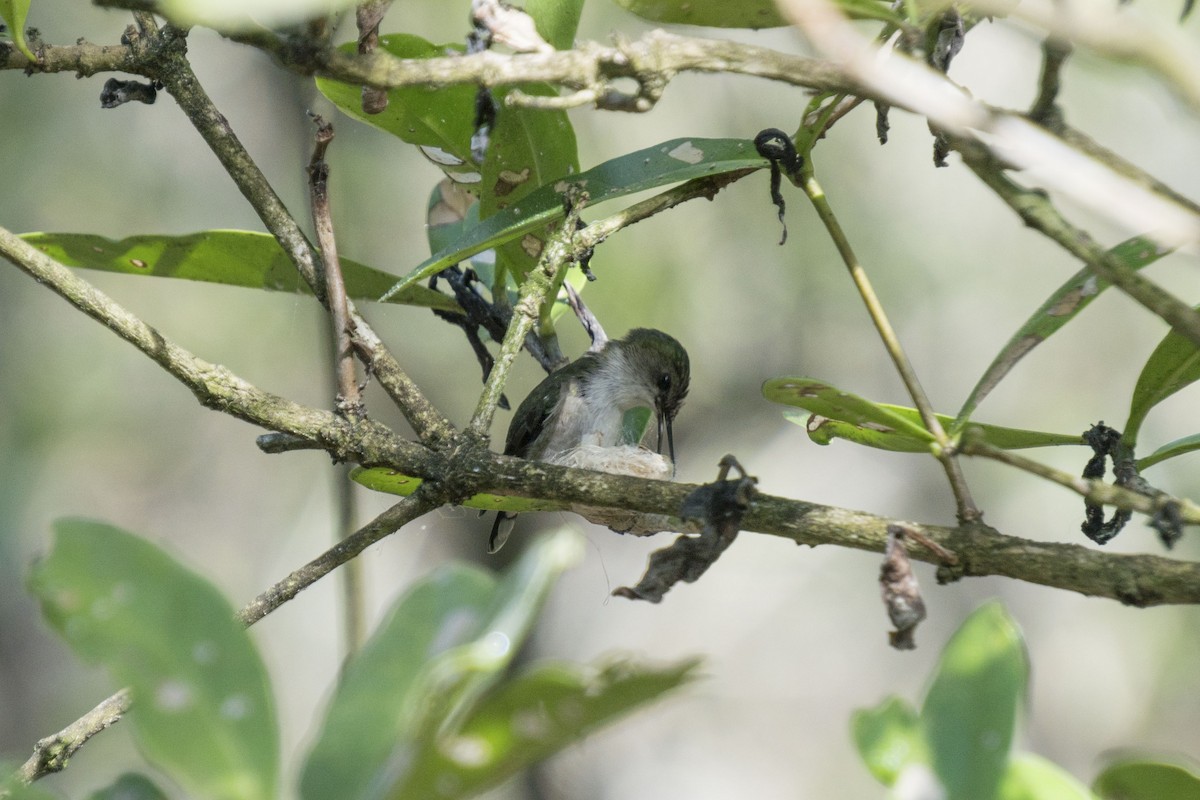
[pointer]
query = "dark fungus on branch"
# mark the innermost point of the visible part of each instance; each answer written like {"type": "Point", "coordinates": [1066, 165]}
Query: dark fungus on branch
{"type": "Point", "coordinates": [1104, 442]}
{"type": "Point", "coordinates": [775, 146]}
{"type": "Point", "coordinates": [479, 314]}
{"type": "Point", "coordinates": [901, 593]}
{"type": "Point", "coordinates": [478, 40]}
{"type": "Point", "coordinates": [720, 506]}
{"type": "Point", "coordinates": [116, 93]}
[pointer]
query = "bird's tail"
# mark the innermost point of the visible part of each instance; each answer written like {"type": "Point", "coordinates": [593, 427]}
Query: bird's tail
{"type": "Point", "coordinates": [501, 529]}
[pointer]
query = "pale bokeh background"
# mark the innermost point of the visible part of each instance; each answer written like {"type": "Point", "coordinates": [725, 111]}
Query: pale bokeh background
{"type": "Point", "coordinates": [794, 638]}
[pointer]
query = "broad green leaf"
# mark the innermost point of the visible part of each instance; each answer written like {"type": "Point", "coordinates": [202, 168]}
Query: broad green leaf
{"type": "Point", "coordinates": [382, 479]}
{"type": "Point", "coordinates": [1140, 779]}
{"type": "Point", "coordinates": [372, 708]}
{"type": "Point", "coordinates": [227, 15]}
{"type": "Point", "coordinates": [1174, 364]}
{"type": "Point", "coordinates": [130, 786]}
{"type": "Point", "coordinates": [530, 718]}
{"type": "Point", "coordinates": [827, 401]}
{"type": "Point", "coordinates": [824, 430]}
{"type": "Point", "coordinates": [1060, 308]}
{"type": "Point", "coordinates": [1169, 450]}
{"type": "Point", "coordinates": [14, 12]}
{"type": "Point", "coordinates": [888, 738]}
{"type": "Point", "coordinates": [12, 788]}
{"type": "Point", "coordinates": [528, 149]}
{"type": "Point", "coordinates": [422, 673]}
{"type": "Point", "coordinates": [441, 117]}
{"type": "Point", "coordinates": [234, 258]}
{"type": "Point", "coordinates": [202, 703]}
{"type": "Point", "coordinates": [971, 707]}
{"type": "Point", "coordinates": [1031, 777]}
{"type": "Point", "coordinates": [557, 20]}
{"type": "Point", "coordinates": [670, 162]}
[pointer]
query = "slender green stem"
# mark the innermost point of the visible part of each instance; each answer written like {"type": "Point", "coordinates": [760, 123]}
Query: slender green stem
{"type": "Point", "coordinates": [967, 510]}
{"type": "Point", "coordinates": [526, 313]}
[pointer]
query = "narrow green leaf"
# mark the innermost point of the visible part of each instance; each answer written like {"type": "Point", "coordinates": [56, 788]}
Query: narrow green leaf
{"type": "Point", "coordinates": [530, 718]}
{"type": "Point", "coordinates": [446, 641]}
{"type": "Point", "coordinates": [823, 430]}
{"type": "Point", "coordinates": [130, 786]}
{"type": "Point", "coordinates": [670, 162]}
{"type": "Point", "coordinates": [828, 401]}
{"type": "Point", "coordinates": [745, 14]}
{"type": "Point", "coordinates": [202, 703]}
{"type": "Point", "coordinates": [888, 738]}
{"type": "Point", "coordinates": [14, 12]}
{"type": "Point", "coordinates": [234, 258]}
{"type": "Point", "coordinates": [1031, 777]}
{"type": "Point", "coordinates": [970, 710]}
{"type": "Point", "coordinates": [382, 479]}
{"type": "Point", "coordinates": [1169, 450]}
{"type": "Point", "coordinates": [1141, 779]}
{"type": "Point", "coordinates": [1060, 308]}
{"type": "Point", "coordinates": [229, 15]}
{"type": "Point", "coordinates": [1174, 364]}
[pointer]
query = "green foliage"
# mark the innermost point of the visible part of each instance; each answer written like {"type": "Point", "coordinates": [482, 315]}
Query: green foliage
{"type": "Point", "coordinates": [1174, 364]}
{"type": "Point", "coordinates": [203, 707]}
{"type": "Point", "coordinates": [673, 161]}
{"type": "Point", "coordinates": [130, 786]}
{"type": "Point", "coordinates": [234, 258]}
{"type": "Point", "coordinates": [835, 414]}
{"type": "Point", "coordinates": [14, 12]}
{"type": "Point", "coordinates": [963, 733]}
{"type": "Point", "coordinates": [1145, 779]}
{"type": "Point", "coordinates": [427, 708]}
{"type": "Point", "coordinates": [743, 14]}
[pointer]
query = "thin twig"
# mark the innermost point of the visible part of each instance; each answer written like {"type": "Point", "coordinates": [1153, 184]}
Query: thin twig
{"type": "Point", "coordinates": [1044, 110]}
{"type": "Point", "coordinates": [967, 510]}
{"type": "Point", "coordinates": [349, 399]}
{"type": "Point", "coordinates": [52, 753]}
{"type": "Point", "coordinates": [527, 311]}
{"type": "Point", "coordinates": [176, 74]}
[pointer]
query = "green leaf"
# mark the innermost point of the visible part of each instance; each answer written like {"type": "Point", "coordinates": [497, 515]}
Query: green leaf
{"type": "Point", "coordinates": [744, 14]}
{"type": "Point", "coordinates": [670, 162]}
{"type": "Point", "coordinates": [557, 20]}
{"type": "Point", "coordinates": [444, 643]}
{"type": "Point", "coordinates": [824, 430]}
{"type": "Point", "coordinates": [130, 786]}
{"type": "Point", "coordinates": [230, 15]}
{"type": "Point", "coordinates": [14, 12]}
{"type": "Point", "coordinates": [441, 117]}
{"type": "Point", "coordinates": [12, 788]}
{"type": "Point", "coordinates": [888, 738]}
{"type": "Point", "coordinates": [970, 710]}
{"type": "Point", "coordinates": [202, 703]}
{"type": "Point", "coordinates": [827, 401]}
{"type": "Point", "coordinates": [1141, 779]}
{"type": "Point", "coordinates": [382, 479]}
{"type": "Point", "coordinates": [1060, 308]}
{"type": "Point", "coordinates": [1169, 450]}
{"type": "Point", "coordinates": [234, 258]}
{"type": "Point", "coordinates": [1031, 777]}
{"type": "Point", "coordinates": [528, 719]}
{"type": "Point", "coordinates": [1174, 364]}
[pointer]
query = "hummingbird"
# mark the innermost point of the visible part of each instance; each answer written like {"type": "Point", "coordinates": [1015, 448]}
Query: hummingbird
{"type": "Point", "coordinates": [584, 403]}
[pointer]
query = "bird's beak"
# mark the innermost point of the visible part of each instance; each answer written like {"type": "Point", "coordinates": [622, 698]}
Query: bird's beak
{"type": "Point", "coordinates": [665, 421]}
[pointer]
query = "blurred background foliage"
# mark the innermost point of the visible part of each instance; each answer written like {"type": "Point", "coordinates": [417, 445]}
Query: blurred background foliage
{"type": "Point", "coordinates": [794, 638]}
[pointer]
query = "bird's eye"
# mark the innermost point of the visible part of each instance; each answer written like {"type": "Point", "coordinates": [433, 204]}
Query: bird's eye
{"type": "Point", "coordinates": [664, 381]}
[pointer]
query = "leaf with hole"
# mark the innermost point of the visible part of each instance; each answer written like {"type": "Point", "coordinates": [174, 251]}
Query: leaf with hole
{"type": "Point", "coordinates": [675, 161]}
